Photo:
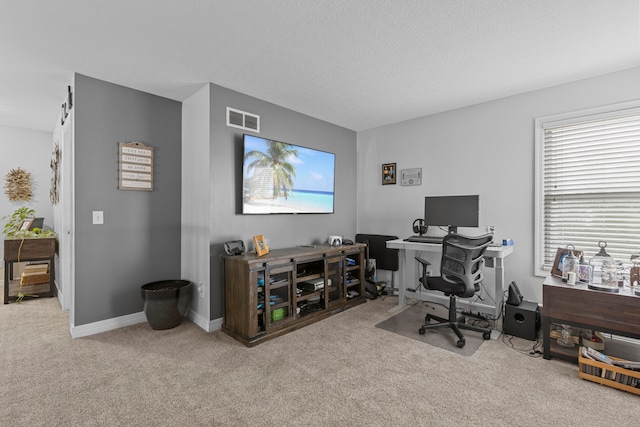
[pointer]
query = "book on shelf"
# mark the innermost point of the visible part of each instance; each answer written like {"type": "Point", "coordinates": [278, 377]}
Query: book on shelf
{"type": "Point", "coordinates": [592, 354]}
{"type": "Point", "coordinates": [626, 364]}
{"type": "Point", "coordinates": [36, 268]}
{"type": "Point", "coordinates": [596, 355]}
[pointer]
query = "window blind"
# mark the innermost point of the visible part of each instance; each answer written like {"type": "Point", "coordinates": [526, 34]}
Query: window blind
{"type": "Point", "coordinates": [591, 185]}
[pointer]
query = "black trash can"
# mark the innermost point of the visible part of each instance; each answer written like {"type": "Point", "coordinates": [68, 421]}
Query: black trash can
{"type": "Point", "coordinates": [166, 302]}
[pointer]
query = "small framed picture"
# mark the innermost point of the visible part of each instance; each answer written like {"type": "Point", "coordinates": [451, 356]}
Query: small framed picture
{"type": "Point", "coordinates": [411, 176]}
{"type": "Point", "coordinates": [261, 245]}
{"type": "Point", "coordinates": [26, 224]}
{"type": "Point", "coordinates": [556, 268]}
{"type": "Point", "coordinates": [388, 173]}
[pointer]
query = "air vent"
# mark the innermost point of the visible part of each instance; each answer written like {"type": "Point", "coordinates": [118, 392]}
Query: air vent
{"type": "Point", "coordinates": [243, 120]}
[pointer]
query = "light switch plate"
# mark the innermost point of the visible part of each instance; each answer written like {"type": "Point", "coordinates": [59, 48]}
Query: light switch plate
{"type": "Point", "coordinates": [98, 217]}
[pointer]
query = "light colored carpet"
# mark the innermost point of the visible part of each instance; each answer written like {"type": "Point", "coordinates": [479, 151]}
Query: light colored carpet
{"type": "Point", "coordinates": [342, 371]}
{"type": "Point", "coordinates": [408, 321]}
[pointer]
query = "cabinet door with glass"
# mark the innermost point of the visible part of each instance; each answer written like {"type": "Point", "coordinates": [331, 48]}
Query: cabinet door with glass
{"type": "Point", "coordinates": [275, 301]}
{"type": "Point", "coordinates": [334, 279]}
{"type": "Point", "coordinates": [354, 274]}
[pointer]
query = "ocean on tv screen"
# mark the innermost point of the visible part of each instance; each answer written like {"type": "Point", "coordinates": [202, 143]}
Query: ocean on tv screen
{"type": "Point", "coordinates": [298, 201]}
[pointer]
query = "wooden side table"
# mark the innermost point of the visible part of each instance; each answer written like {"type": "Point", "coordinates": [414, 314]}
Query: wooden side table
{"type": "Point", "coordinates": [580, 307]}
{"type": "Point", "coordinates": [23, 250]}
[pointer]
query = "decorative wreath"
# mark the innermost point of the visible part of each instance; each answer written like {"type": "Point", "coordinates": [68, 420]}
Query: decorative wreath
{"type": "Point", "coordinates": [55, 167]}
{"type": "Point", "coordinates": [18, 185]}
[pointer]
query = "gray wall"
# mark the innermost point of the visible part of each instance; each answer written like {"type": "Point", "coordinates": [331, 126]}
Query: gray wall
{"type": "Point", "coordinates": [485, 149]}
{"type": "Point", "coordinates": [140, 239]}
{"type": "Point", "coordinates": [226, 175]}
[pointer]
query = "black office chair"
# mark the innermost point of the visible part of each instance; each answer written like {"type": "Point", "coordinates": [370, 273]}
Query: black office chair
{"type": "Point", "coordinates": [460, 277]}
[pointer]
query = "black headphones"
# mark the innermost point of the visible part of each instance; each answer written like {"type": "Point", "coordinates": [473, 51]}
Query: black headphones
{"type": "Point", "coordinates": [419, 226]}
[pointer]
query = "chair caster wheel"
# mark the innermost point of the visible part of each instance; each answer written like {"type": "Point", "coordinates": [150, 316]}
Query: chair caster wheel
{"type": "Point", "coordinates": [486, 335]}
{"type": "Point", "coordinates": [421, 331]}
{"type": "Point", "coordinates": [460, 343]}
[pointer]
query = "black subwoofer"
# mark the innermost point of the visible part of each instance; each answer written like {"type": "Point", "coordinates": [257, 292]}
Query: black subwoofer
{"type": "Point", "coordinates": [522, 320]}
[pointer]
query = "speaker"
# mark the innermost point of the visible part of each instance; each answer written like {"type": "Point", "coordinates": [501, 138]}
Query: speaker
{"type": "Point", "coordinates": [522, 320]}
{"type": "Point", "coordinates": [515, 297]}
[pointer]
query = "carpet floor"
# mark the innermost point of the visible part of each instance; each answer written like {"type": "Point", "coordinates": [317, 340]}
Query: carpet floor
{"type": "Point", "coordinates": [341, 371]}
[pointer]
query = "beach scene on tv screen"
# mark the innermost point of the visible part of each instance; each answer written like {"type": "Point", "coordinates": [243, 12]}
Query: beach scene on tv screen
{"type": "Point", "coordinates": [284, 178]}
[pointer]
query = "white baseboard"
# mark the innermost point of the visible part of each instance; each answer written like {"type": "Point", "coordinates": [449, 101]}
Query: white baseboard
{"type": "Point", "coordinates": [107, 325]}
{"type": "Point", "coordinates": [134, 319]}
{"type": "Point", "coordinates": [215, 324]}
{"type": "Point", "coordinates": [207, 325]}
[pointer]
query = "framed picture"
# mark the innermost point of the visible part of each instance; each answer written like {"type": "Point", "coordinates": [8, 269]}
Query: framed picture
{"type": "Point", "coordinates": [556, 268]}
{"type": "Point", "coordinates": [261, 245]}
{"type": "Point", "coordinates": [388, 173]}
{"type": "Point", "coordinates": [411, 176]}
{"type": "Point", "coordinates": [26, 224]}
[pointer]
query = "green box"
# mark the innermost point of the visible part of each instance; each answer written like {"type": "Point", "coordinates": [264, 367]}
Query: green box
{"type": "Point", "coordinates": [278, 314]}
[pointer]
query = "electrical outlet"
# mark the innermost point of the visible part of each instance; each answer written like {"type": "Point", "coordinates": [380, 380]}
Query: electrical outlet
{"type": "Point", "coordinates": [201, 289]}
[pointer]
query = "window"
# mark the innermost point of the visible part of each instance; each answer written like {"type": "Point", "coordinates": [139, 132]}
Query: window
{"type": "Point", "coordinates": [588, 183]}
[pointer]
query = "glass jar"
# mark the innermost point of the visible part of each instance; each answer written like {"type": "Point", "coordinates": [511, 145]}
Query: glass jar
{"type": "Point", "coordinates": [634, 273]}
{"type": "Point", "coordinates": [610, 275]}
{"type": "Point", "coordinates": [605, 271]}
{"type": "Point", "coordinates": [598, 263]}
{"type": "Point", "coordinates": [569, 263]}
{"type": "Point", "coordinates": [584, 270]}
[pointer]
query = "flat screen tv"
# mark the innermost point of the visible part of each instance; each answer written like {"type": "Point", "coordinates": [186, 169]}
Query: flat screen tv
{"type": "Point", "coordinates": [281, 178]}
{"type": "Point", "coordinates": [452, 211]}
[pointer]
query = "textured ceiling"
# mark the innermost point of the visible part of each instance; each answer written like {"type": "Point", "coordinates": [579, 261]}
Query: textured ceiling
{"type": "Point", "coordinates": [356, 63]}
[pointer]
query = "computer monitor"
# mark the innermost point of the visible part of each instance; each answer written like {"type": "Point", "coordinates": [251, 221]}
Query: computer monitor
{"type": "Point", "coordinates": [452, 211]}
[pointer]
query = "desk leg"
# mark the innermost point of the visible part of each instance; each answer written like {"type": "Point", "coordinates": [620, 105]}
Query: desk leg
{"type": "Point", "coordinates": [499, 289]}
{"type": "Point", "coordinates": [52, 277]}
{"type": "Point", "coordinates": [6, 282]}
{"type": "Point", "coordinates": [546, 338]}
{"type": "Point", "coordinates": [401, 281]}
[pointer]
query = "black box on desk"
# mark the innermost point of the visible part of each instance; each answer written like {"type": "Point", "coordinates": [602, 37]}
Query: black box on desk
{"type": "Point", "coordinates": [522, 320]}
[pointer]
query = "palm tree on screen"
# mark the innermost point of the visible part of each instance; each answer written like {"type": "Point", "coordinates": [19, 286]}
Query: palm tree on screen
{"type": "Point", "coordinates": [276, 159]}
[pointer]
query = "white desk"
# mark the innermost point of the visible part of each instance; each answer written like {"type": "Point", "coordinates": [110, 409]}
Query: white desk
{"type": "Point", "coordinates": [407, 276]}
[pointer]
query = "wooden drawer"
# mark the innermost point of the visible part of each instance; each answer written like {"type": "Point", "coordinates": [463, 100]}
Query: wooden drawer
{"type": "Point", "coordinates": [29, 249]}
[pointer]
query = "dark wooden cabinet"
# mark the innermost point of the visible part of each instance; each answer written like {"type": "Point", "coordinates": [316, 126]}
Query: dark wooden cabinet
{"type": "Point", "coordinates": [40, 250]}
{"type": "Point", "coordinates": [580, 307]}
{"type": "Point", "coordinates": [268, 296]}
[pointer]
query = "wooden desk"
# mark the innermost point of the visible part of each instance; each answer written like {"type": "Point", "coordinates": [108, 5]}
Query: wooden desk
{"type": "Point", "coordinates": [579, 306]}
{"type": "Point", "coordinates": [38, 249]}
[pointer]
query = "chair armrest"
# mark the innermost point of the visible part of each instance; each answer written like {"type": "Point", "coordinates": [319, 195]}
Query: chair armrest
{"type": "Point", "coordinates": [422, 261]}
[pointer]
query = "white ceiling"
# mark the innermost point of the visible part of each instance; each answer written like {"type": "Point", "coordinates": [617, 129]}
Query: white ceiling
{"type": "Point", "coordinates": [356, 63]}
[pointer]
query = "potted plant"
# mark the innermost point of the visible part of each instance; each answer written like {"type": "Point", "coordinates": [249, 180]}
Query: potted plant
{"type": "Point", "coordinates": [12, 227]}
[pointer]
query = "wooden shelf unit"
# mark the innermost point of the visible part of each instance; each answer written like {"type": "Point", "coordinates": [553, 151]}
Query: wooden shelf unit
{"type": "Point", "coordinates": [263, 296]}
{"type": "Point", "coordinates": [28, 250]}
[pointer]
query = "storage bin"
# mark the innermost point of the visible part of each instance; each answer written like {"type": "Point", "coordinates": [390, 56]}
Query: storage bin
{"type": "Point", "coordinates": [609, 375]}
